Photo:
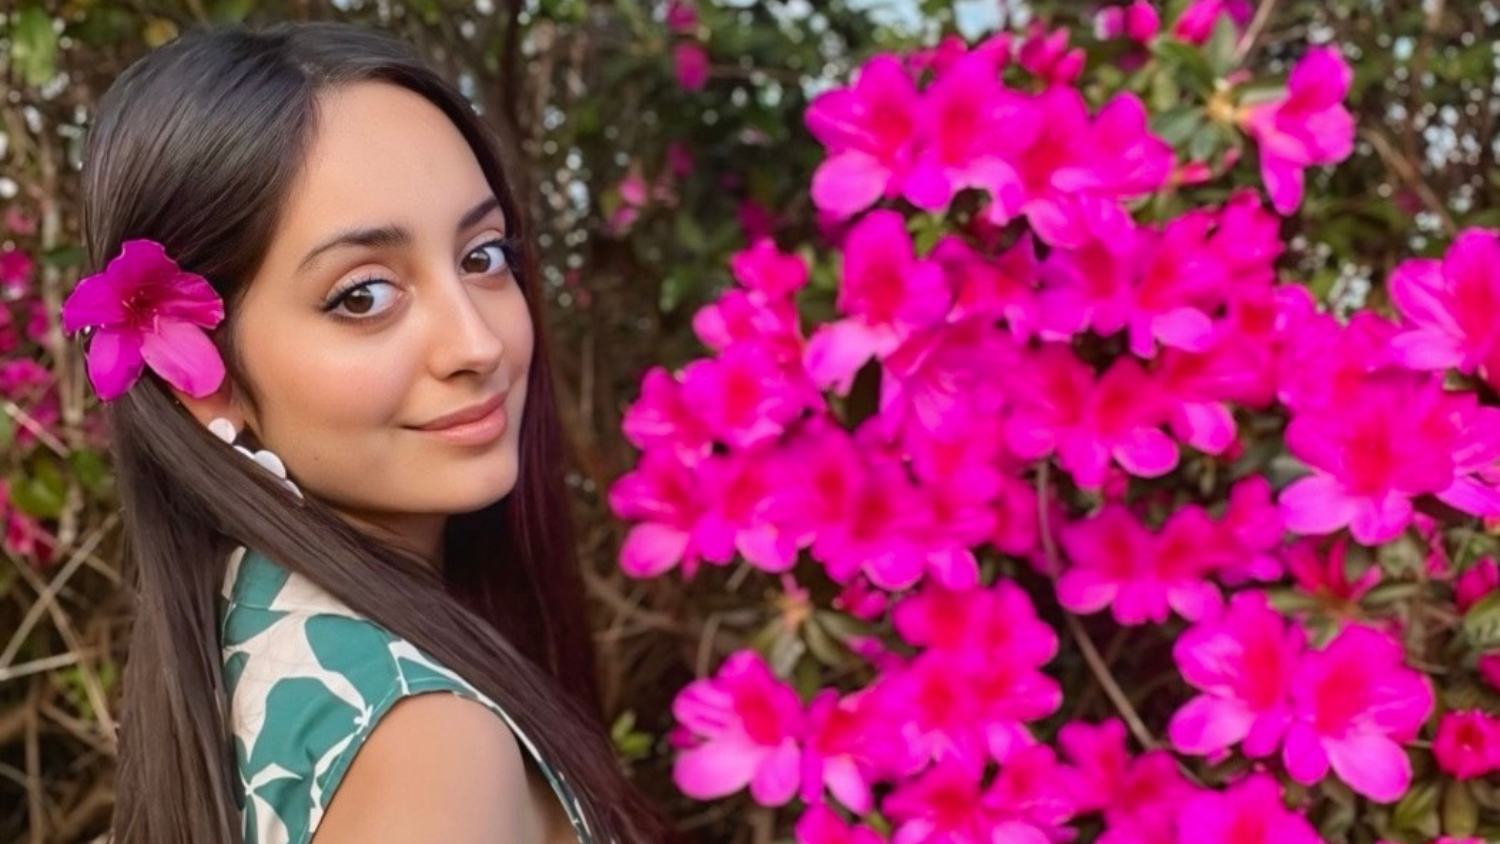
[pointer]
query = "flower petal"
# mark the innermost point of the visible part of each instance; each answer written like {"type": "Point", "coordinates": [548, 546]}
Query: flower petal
{"type": "Point", "coordinates": [184, 357]}
{"type": "Point", "coordinates": [114, 362]}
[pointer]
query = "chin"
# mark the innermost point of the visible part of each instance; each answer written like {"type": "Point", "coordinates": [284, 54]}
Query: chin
{"type": "Point", "coordinates": [469, 488]}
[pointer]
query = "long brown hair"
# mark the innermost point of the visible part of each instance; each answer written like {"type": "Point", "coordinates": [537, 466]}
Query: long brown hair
{"type": "Point", "coordinates": [195, 147]}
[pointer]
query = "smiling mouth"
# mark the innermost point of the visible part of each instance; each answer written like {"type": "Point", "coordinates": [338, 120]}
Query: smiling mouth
{"type": "Point", "coordinates": [465, 428]}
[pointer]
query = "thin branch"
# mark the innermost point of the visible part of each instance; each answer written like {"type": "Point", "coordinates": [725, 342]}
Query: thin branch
{"type": "Point", "coordinates": [1407, 171]}
{"type": "Point", "coordinates": [1095, 662]}
{"type": "Point", "coordinates": [1253, 32]}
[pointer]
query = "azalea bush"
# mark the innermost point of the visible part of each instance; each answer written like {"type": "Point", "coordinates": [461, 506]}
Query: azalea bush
{"type": "Point", "coordinates": [1049, 503]}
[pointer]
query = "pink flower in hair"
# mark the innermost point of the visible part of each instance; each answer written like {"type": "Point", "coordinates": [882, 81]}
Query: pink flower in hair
{"type": "Point", "coordinates": [144, 309]}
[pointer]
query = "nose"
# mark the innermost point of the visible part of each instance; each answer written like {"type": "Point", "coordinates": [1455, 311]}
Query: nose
{"type": "Point", "coordinates": [462, 338]}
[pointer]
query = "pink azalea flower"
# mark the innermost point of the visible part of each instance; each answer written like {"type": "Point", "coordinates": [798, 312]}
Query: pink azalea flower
{"type": "Point", "coordinates": [1199, 386]}
{"type": "Point", "coordinates": [745, 317]}
{"type": "Point", "coordinates": [1389, 442]}
{"type": "Point", "coordinates": [1242, 665]}
{"type": "Point", "coordinates": [663, 496]}
{"type": "Point", "coordinates": [1249, 812]}
{"type": "Point", "coordinates": [1325, 575]}
{"type": "Point", "coordinates": [1477, 582]}
{"type": "Point", "coordinates": [1450, 306]}
{"type": "Point", "coordinates": [1309, 127]}
{"type": "Point", "coordinates": [1324, 365]}
{"type": "Point", "coordinates": [1003, 287]}
{"type": "Point", "coordinates": [682, 17]}
{"type": "Point", "coordinates": [1161, 286]}
{"type": "Point", "coordinates": [1199, 18]}
{"type": "Point", "coordinates": [16, 268]}
{"type": "Point", "coordinates": [1489, 670]}
{"type": "Point", "coordinates": [1140, 797]}
{"type": "Point", "coordinates": [944, 805]}
{"type": "Point", "coordinates": [998, 623]}
{"type": "Point", "coordinates": [1467, 744]}
{"type": "Point", "coordinates": [1045, 55]}
{"type": "Point", "coordinates": [663, 419]}
{"type": "Point", "coordinates": [1253, 528]}
{"type": "Point", "coordinates": [839, 753]}
{"type": "Point", "coordinates": [1356, 703]}
{"type": "Point", "coordinates": [690, 62]}
{"type": "Point", "coordinates": [940, 384]}
{"type": "Point", "coordinates": [741, 728]}
{"type": "Point", "coordinates": [38, 324]}
{"type": "Point", "coordinates": [886, 293]}
{"type": "Point", "coordinates": [144, 309]}
{"type": "Point", "coordinates": [745, 493]}
{"type": "Point", "coordinates": [767, 271]}
{"type": "Point", "coordinates": [869, 129]}
{"type": "Point", "coordinates": [19, 222]}
{"type": "Point", "coordinates": [1032, 795]}
{"type": "Point", "coordinates": [1061, 408]}
{"type": "Point", "coordinates": [1138, 22]}
{"type": "Point", "coordinates": [1075, 171]}
{"type": "Point", "coordinates": [822, 825]}
{"type": "Point", "coordinates": [1118, 563]}
{"type": "Point", "coordinates": [744, 396]}
{"type": "Point", "coordinates": [970, 128]}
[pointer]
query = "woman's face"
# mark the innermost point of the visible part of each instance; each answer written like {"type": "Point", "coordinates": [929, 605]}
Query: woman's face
{"type": "Point", "coordinates": [387, 305]}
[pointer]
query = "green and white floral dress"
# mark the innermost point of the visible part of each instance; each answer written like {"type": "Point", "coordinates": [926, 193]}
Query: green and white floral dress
{"type": "Point", "coordinates": [308, 679]}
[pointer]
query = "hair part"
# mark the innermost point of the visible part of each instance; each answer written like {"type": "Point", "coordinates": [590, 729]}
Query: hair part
{"type": "Point", "coordinates": [196, 146]}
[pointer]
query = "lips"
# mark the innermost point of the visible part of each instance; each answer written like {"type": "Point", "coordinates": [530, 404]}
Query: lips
{"type": "Point", "coordinates": [472, 413]}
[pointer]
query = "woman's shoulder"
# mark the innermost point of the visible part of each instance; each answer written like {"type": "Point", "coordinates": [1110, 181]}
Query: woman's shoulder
{"type": "Point", "coordinates": [308, 679]}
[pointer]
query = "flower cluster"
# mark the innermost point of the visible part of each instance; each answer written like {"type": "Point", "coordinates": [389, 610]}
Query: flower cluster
{"type": "Point", "coordinates": [1047, 387]}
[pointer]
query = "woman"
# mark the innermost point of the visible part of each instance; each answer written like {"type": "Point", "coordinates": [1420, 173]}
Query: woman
{"type": "Point", "coordinates": [308, 254]}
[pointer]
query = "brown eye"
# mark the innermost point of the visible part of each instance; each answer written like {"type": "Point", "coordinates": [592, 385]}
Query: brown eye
{"type": "Point", "coordinates": [499, 253]}
{"type": "Point", "coordinates": [359, 301]}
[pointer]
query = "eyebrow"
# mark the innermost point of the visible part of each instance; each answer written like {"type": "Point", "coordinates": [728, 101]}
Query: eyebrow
{"type": "Point", "coordinates": [390, 237]}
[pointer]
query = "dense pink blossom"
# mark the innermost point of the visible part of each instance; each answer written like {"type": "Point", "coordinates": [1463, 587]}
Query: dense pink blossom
{"type": "Point", "coordinates": [1061, 408]}
{"type": "Point", "coordinates": [1249, 812]}
{"type": "Point", "coordinates": [822, 825]}
{"type": "Point", "coordinates": [1045, 55]}
{"type": "Point", "coordinates": [1198, 20]}
{"type": "Point", "coordinates": [1324, 573]}
{"type": "Point", "coordinates": [1478, 581]}
{"type": "Point", "coordinates": [1138, 22]}
{"type": "Point", "coordinates": [661, 496]}
{"type": "Point", "coordinates": [682, 17]}
{"type": "Point", "coordinates": [1451, 307]}
{"type": "Point", "coordinates": [1467, 744]}
{"type": "Point", "coordinates": [1242, 665]}
{"type": "Point", "coordinates": [1393, 439]}
{"type": "Point", "coordinates": [738, 728]}
{"type": "Point", "coordinates": [663, 419]}
{"type": "Point", "coordinates": [1032, 797]}
{"type": "Point", "coordinates": [971, 128]}
{"type": "Point", "coordinates": [887, 293]}
{"type": "Point", "coordinates": [1140, 797]}
{"type": "Point", "coordinates": [944, 805]}
{"type": "Point", "coordinates": [690, 62]}
{"type": "Point", "coordinates": [745, 396]}
{"type": "Point", "coordinates": [839, 753]}
{"type": "Point", "coordinates": [1003, 287]}
{"type": "Point", "coordinates": [1309, 127]}
{"type": "Point", "coordinates": [16, 268]}
{"type": "Point", "coordinates": [1119, 563]}
{"type": "Point", "coordinates": [1074, 172]}
{"type": "Point", "coordinates": [869, 129]}
{"type": "Point", "coordinates": [1355, 705]}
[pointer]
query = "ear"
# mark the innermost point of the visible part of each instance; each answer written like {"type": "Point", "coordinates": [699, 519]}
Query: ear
{"type": "Point", "coordinates": [222, 403]}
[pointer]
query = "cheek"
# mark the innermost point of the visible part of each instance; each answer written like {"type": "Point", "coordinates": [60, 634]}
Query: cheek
{"type": "Point", "coordinates": [314, 388]}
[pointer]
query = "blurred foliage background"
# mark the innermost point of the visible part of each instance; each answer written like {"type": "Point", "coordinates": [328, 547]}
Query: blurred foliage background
{"type": "Point", "coordinates": [639, 188]}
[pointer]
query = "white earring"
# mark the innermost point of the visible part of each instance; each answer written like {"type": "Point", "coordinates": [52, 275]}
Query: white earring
{"type": "Point", "coordinates": [224, 430]}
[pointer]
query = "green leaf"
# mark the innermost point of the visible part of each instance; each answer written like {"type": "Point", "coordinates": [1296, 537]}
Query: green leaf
{"type": "Point", "coordinates": [1204, 144]}
{"type": "Point", "coordinates": [70, 255]}
{"type": "Point", "coordinates": [1460, 813]}
{"type": "Point", "coordinates": [40, 494]}
{"type": "Point", "coordinates": [1222, 45]}
{"type": "Point", "coordinates": [92, 471]}
{"type": "Point", "coordinates": [1178, 124]}
{"type": "Point", "coordinates": [1418, 810]}
{"type": "Point", "coordinates": [1187, 60]}
{"type": "Point", "coordinates": [1481, 624]}
{"type": "Point", "coordinates": [7, 432]}
{"type": "Point", "coordinates": [33, 50]}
